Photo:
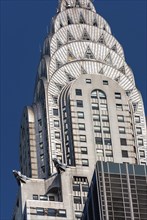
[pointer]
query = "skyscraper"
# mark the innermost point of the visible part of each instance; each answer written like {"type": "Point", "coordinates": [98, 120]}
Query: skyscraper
{"type": "Point", "coordinates": [86, 108]}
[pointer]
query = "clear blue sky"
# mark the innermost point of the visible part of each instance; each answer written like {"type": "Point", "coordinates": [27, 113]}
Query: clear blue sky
{"type": "Point", "coordinates": [23, 29]}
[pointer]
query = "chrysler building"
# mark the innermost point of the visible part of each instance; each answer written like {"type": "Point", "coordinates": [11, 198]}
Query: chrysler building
{"type": "Point", "coordinates": [86, 108]}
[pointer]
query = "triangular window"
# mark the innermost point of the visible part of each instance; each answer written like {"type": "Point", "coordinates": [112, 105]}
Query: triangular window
{"type": "Point", "coordinates": [128, 92]}
{"type": "Point", "coordinates": [88, 6]}
{"type": "Point", "coordinates": [89, 54]}
{"type": "Point", "coordinates": [61, 25]}
{"type": "Point", "coordinates": [82, 20]}
{"type": "Point", "coordinates": [59, 44]}
{"type": "Point", "coordinates": [83, 71]}
{"type": "Point", "coordinates": [58, 64]}
{"type": "Point", "coordinates": [69, 5]}
{"type": "Point", "coordinates": [122, 69]}
{"type": "Point", "coordinates": [70, 56]}
{"type": "Point", "coordinates": [101, 40]}
{"type": "Point", "coordinates": [114, 48]}
{"type": "Point", "coordinates": [69, 20]}
{"type": "Point", "coordinates": [59, 86]}
{"type": "Point", "coordinates": [108, 59]}
{"type": "Point", "coordinates": [101, 71]}
{"type": "Point", "coordinates": [135, 106]}
{"type": "Point", "coordinates": [117, 79]}
{"type": "Point", "coordinates": [104, 28]}
{"type": "Point", "coordinates": [95, 23]}
{"type": "Point", "coordinates": [70, 36]}
{"type": "Point", "coordinates": [70, 77]}
{"type": "Point", "coordinates": [85, 35]}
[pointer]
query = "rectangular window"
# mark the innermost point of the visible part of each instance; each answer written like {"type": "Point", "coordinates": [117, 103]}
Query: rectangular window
{"type": "Point", "coordinates": [85, 162]}
{"type": "Point", "coordinates": [85, 187]}
{"type": "Point", "coordinates": [123, 141]}
{"type": "Point", "coordinates": [124, 153]}
{"type": "Point", "coordinates": [52, 212]}
{"type": "Point", "coordinates": [78, 92]}
{"type": "Point", "coordinates": [105, 118]}
{"type": "Point", "coordinates": [58, 146]}
{"type": "Point", "coordinates": [77, 199]}
{"type": "Point", "coordinates": [78, 215]}
{"type": "Point", "coordinates": [137, 119]}
{"type": "Point", "coordinates": [98, 140]}
{"type": "Point", "coordinates": [95, 106]}
{"type": "Point", "coordinates": [103, 106]}
{"type": "Point", "coordinates": [81, 126]}
{"type": "Point", "coordinates": [61, 213]}
{"type": "Point", "coordinates": [139, 130]}
{"type": "Point", "coordinates": [56, 123]}
{"type": "Point", "coordinates": [100, 152]}
{"type": "Point", "coordinates": [35, 197]}
{"type": "Point", "coordinates": [120, 118]}
{"type": "Point", "coordinates": [102, 95]}
{"type": "Point", "coordinates": [44, 198]}
{"type": "Point", "coordinates": [105, 82]}
{"type": "Point", "coordinates": [109, 153]}
{"type": "Point", "coordinates": [106, 130]}
{"type": "Point", "coordinates": [96, 118]}
{"type": "Point", "coordinates": [140, 142]}
{"type": "Point", "coordinates": [142, 153]}
{"type": "Point", "coordinates": [79, 103]}
{"type": "Point", "coordinates": [119, 107]}
{"type": "Point", "coordinates": [40, 122]}
{"type": "Point", "coordinates": [82, 138]}
{"type": "Point", "coordinates": [55, 111]}
{"type": "Point", "coordinates": [117, 95]}
{"type": "Point", "coordinates": [97, 129]}
{"type": "Point", "coordinates": [76, 187]}
{"type": "Point", "coordinates": [40, 211]}
{"type": "Point", "coordinates": [107, 141]}
{"type": "Point", "coordinates": [57, 134]}
{"type": "Point", "coordinates": [51, 198]}
{"type": "Point", "coordinates": [122, 130]}
{"type": "Point", "coordinates": [80, 114]}
{"type": "Point", "coordinates": [88, 81]}
{"type": "Point", "coordinates": [83, 150]}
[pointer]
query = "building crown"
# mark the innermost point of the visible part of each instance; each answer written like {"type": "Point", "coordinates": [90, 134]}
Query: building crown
{"type": "Point", "coordinates": [67, 4]}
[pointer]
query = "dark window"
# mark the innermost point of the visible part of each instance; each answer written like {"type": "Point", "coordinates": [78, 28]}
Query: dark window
{"type": "Point", "coordinates": [85, 188]}
{"type": "Point", "coordinates": [78, 92]}
{"type": "Point", "coordinates": [52, 212]}
{"type": "Point", "coordinates": [123, 141]}
{"type": "Point", "coordinates": [107, 141]}
{"type": "Point", "coordinates": [98, 140]}
{"type": "Point", "coordinates": [51, 198]}
{"type": "Point", "coordinates": [79, 103]}
{"type": "Point", "coordinates": [105, 82]}
{"type": "Point", "coordinates": [35, 197]}
{"type": "Point", "coordinates": [76, 187]}
{"type": "Point", "coordinates": [124, 153]}
{"type": "Point", "coordinates": [55, 111]}
{"type": "Point", "coordinates": [77, 199]}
